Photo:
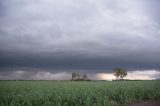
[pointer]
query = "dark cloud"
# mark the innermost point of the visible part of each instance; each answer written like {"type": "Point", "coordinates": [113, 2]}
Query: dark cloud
{"type": "Point", "coordinates": [87, 35]}
{"type": "Point", "coordinates": [78, 62]}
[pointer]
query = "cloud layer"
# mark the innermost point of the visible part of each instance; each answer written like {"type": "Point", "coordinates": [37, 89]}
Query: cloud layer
{"type": "Point", "coordinates": [89, 35]}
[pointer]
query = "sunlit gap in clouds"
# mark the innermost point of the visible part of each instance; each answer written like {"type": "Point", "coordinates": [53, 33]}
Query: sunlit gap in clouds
{"type": "Point", "coordinates": [133, 75]}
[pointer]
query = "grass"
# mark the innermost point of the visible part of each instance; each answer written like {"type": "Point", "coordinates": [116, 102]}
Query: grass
{"type": "Point", "coordinates": [66, 93]}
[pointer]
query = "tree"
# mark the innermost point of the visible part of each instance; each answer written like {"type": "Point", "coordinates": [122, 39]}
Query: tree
{"type": "Point", "coordinates": [73, 76]}
{"type": "Point", "coordinates": [120, 73]}
{"type": "Point", "coordinates": [79, 77]}
{"type": "Point", "coordinates": [85, 77]}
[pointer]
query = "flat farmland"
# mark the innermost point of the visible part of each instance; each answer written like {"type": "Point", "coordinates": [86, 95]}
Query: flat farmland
{"type": "Point", "coordinates": [68, 93]}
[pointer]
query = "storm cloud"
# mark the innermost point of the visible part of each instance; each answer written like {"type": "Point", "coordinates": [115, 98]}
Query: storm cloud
{"type": "Point", "coordinates": [88, 35]}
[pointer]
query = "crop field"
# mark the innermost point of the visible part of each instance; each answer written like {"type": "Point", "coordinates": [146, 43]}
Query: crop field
{"type": "Point", "coordinates": [67, 93]}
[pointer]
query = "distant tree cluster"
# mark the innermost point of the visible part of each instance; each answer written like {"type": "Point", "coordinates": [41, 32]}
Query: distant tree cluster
{"type": "Point", "coordinates": [79, 77]}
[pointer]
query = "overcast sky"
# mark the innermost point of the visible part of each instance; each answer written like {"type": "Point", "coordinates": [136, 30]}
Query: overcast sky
{"type": "Point", "coordinates": [93, 36]}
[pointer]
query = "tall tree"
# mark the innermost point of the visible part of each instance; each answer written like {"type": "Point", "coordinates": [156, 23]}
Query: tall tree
{"type": "Point", "coordinates": [120, 73]}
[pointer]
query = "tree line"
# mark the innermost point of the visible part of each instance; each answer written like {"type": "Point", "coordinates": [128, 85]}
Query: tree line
{"type": "Point", "coordinates": [119, 73]}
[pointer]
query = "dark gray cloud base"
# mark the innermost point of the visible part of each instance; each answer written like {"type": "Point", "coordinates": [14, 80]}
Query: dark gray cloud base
{"type": "Point", "coordinates": [79, 35]}
{"type": "Point", "coordinates": [76, 62]}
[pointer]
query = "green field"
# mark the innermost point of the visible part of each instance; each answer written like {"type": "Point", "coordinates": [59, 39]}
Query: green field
{"type": "Point", "coordinates": [66, 93]}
